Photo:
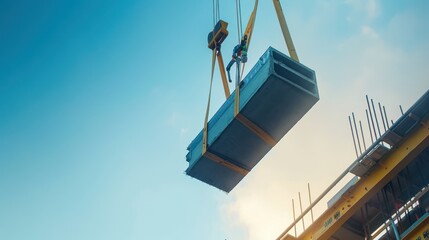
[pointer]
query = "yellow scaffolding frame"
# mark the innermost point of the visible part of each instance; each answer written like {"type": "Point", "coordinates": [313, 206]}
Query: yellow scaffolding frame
{"type": "Point", "coordinates": [334, 217]}
{"type": "Point", "coordinates": [420, 231]}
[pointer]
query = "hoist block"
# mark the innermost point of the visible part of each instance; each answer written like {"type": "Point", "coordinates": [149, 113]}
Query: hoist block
{"type": "Point", "coordinates": [274, 96]}
{"type": "Point", "coordinates": [218, 35]}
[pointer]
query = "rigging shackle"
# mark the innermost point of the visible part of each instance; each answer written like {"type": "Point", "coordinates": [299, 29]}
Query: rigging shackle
{"type": "Point", "coordinates": [239, 54]}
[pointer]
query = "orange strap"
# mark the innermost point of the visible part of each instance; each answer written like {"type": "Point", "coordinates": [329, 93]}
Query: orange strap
{"type": "Point", "coordinates": [226, 163]}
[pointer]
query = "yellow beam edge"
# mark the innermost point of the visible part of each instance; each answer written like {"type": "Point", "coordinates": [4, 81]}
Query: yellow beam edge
{"type": "Point", "coordinates": [421, 231]}
{"type": "Point", "coordinates": [399, 157]}
{"type": "Point", "coordinates": [289, 237]}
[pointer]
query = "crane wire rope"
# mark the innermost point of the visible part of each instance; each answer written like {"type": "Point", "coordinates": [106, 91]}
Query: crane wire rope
{"type": "Point", "coordinates": [239, 25]}
{"type": "Point", "coordinates": [241, 21]}
{"type": "Point", "coordinates": [216, 12]}
{"type": "Point", "coordinates": [216, 17]}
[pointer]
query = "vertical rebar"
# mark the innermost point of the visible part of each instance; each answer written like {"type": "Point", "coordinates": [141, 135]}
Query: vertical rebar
{"type": "Point", "coordinates": [422, 176]}
{"type": "Point", "coordinates": [353, 136]}
{"type": "Point", "coordinates": [385, 116]}
{"type": "Point", "coordinates": [294, 218]}
{"type": "Point", "coordinates": [309, 198]}
{"type": "Point", "coordinates": [375, 116]}
{"type": "Point", "coordinates": [363, 136]}
{"type": "Point", "coordinates": [386, 227]}
{"type": "Point", "coordinates": [401, 190]}
{"type": "Point", "coordinates": [395, 230]}
{"type": "Point", "coordinates": [382, 116]}
{"type": "Point", "coordinates": [364, 223]}
{"type": "Point", "coordinates": [372, 120]}
{"type": "Point", "coordinates": [369, 126]}
{"type": "Point", "coordinates": [400, 108]}
{"type": "Point", "coordinates": [367, 221]}
{"type": "Point", "coordinates": [300, 206]}
{"type": "Point", "coordinates": [357, 133]}
{"type": "Point", "coordinates": [387, 202]}
{"type": "Point", "coordinates": [399, 212]}
{"type": "Point", "coordinates": [396, 208]}
{"type": "Point", "coordinates": [407, 190]}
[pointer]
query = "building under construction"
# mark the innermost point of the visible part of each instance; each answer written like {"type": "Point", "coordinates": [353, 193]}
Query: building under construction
{"type": "Point", "coordinates": [388, 196]}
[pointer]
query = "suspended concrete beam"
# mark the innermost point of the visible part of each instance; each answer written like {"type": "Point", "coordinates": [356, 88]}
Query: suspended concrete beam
{"type": "Point", "coordinates": [274, 96]}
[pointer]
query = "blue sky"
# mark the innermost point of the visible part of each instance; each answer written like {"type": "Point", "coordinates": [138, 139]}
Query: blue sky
{"type": "Point", "coordinates": [99, 100]}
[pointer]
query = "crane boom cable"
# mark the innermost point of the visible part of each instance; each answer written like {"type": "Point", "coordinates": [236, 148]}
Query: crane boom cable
{"type": "Point", "coordinates": [214, 13]}
{"type": "Point", "coordinates": [241, 21]}
{"type": "Point", "coordinates": [238, 20]}
{"type": "Point", "coordinates": [218, 10]}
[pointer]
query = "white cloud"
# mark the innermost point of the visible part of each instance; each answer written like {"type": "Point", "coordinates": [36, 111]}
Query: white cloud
{"type": "Point", "coordinates": [369, 9]}
{"type": "Point", "coordinates": [368, 31]}
{"type": "Point", "coordinates": [172, 119]}
{"type": "Point", "coordinates": [178, 123]}
{"type": "Point", "coordinates": [372, 8]}
{"type": "Point", "coordinates": [183, 132]}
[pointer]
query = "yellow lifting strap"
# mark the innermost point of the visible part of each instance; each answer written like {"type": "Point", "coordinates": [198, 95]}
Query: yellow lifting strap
{"type": "Point", "coordinates": [251, 23]}
{"type": "Point", "coordinates": [246, 122]}
{"type": "Point", "coordinates": [249, 29]}
{"type": "Point", "coordinates": [285, 30]}
{"type": "Point", "coordinates": [205, 153]}
{"type": "Point", "coordinates": [223, 74]}
{"type": "Point", "coordinates": [248, 33]}
{"type": "Point", "coordinates": [208, 104]}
